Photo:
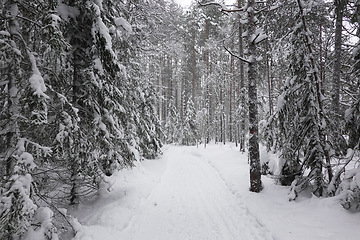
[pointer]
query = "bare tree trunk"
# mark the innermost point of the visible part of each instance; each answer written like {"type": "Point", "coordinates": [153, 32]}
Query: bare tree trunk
{"type": "Point", "coordinates": [194, 67]}
{"type": "Point", "coordinates": [163, 90]}
{"type": "Point", "coordinates": [231, 94]}
{"type": "Point", "coordinates": [241, 90]}
{"type": "Point", "coordinates": [75, 102]}
{"type": "Point", "coordinates": [182, 99]}
{"type": "Point", "coordinates": [269, 78]}
{"type": "Point", "coordinates": [255, 168]}
{"type": "Point", "coordinates": [13, 105]}
{"type": "Point", "coordinates": [12, 135]}
{"type": "Point", "coordinates": [339, 10]}
{"type": "Point", "coordinates": [321, 60]}
{"type": "Point", "coordinates": [159, 89]}
{"type": "Point", "coordinates": [207, 60]}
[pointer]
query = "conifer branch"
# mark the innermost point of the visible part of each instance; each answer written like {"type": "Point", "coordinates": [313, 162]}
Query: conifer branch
{"type": "Point", "coordinates": [238, 57]}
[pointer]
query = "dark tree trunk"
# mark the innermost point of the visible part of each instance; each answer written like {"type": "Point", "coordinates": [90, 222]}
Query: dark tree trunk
{"type": "Point", "coordinates": [255, 168]}
{"type": "Point", "coordinates": [231, 95]}
{"type": "Point", "coordinates": [241, 90]}
{"type": "Point", "coordinates": [339, 10]}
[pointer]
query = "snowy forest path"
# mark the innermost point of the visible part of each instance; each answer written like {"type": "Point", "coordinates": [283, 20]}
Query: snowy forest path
{"type": "Point", "coordinates": [192, 201]}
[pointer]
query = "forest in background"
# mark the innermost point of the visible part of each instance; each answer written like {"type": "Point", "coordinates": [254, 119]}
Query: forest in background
{"type": "Point", "coordinates": [90, 86]}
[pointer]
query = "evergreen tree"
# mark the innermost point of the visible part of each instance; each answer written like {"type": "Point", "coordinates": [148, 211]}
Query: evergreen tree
{"type": "Point", "coordinates": [190, 131]}
{"type": "Point", "coordinates": [301, 119]}
{"type": "Point", "coordinates": [96, 116]}
{"type": "Point", "coordinates": [347, 186]}
{"type": "Point", "coordinates": [24, 111]}
{"type": "Point", "coordinates": [173, 127]}
{"type": "Point", "coordinates": [16, 206]}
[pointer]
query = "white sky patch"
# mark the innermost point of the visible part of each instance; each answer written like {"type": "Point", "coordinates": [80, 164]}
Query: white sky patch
{"type": "Point", "coordinates": [186, 3]}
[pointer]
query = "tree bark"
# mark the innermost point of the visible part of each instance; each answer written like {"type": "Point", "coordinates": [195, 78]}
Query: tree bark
{"type": "Point", "coordinates": [193, 66]}
{"type": "Point", "coordinates": [255, 168]}
{"type": "Point", "coordinates": [339, 10]}
{"type": "Point", "coordinates": [231, 94]}
{"type": "Point", "coordinates": [241, 90]}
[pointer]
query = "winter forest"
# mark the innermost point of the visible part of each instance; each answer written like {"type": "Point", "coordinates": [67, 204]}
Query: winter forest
{"type": "Point", "coordinates": [90, 87]}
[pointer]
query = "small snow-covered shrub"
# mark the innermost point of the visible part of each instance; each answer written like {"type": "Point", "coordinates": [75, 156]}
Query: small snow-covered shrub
{"type": "Point", "coordinates": [349, 190]}
{"type": "Point", "coordinates": [46, 231]}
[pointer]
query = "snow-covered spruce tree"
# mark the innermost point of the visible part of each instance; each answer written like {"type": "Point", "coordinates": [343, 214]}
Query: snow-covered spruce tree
{"type": "Point", "coordinates": [190, 131]}
{"type": "Point", "coordinates": [352, 115]}
{"type": "Point", "coordinates": [348, 187]}
{"type": "Point", "coordinates": [300, 119]}
{"type": "Point", "coordinates": [95, 123]}
{"type": "Point", "coordinates": [139, 93]}
{"type": "Point", "coordinates": [148, 130]}
{"type": "Point", "coordinates": [75, 140]}
{"type": "Point", "coordinates": [23, 112]}
{"type": "Point", "coordinates": [16, 206]}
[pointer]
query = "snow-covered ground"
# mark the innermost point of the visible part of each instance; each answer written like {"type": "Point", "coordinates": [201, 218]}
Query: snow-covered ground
{"type": "Point", "coordinates": [196, 193]}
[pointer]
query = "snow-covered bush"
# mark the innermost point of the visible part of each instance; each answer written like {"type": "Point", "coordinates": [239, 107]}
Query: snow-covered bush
{"type": "Point", "coordinates": [349, 190]}
{"type": "Point", "coordinates": [16, 206]}
{"type": "Point", "coordinates": [46, 231]}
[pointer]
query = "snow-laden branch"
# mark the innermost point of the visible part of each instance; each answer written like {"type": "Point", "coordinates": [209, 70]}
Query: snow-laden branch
{"type": "Point", "coordinates": [238, 57]}
{"type": "Point", "coordinates": [36, 80]}
{"type": "Point", "coordinates": [224, 8]}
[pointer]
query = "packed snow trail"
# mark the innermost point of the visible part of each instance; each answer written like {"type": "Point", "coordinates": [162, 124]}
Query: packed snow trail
{"type": "Point", "coordinates": [195, 194]}
{"type": "Point", "coordinates": [192, 202]}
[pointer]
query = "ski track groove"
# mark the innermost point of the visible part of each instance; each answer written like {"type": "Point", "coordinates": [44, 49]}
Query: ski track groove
{"type": "Point", "coordinates": [192, 201]}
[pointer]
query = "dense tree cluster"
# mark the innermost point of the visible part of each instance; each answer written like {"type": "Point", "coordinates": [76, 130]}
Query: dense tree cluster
{"type": "Point", "coordinates": [75, 105]}
{"type": "Point", "coordinates": [306, 82]}
{"type": "Point", "coordinates": [87, 87]}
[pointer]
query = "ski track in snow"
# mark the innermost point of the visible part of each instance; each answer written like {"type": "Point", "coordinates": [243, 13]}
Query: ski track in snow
{"type": "Point", "coordinates": [192, 201]}
{"type": "Point", "coordinates": [194, 193]}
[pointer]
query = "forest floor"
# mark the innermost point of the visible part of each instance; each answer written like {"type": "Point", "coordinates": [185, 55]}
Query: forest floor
{"type": "Point", "coordinates": [192, 193]}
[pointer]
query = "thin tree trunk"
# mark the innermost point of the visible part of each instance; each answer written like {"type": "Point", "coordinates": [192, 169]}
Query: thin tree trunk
{"type": "Point", "coordinates": [74, 165]}
{"type": "Point", "coordinates": [269, 78]}
{"type": "Point", "coordinates": [255, 168]}
{"type": "Point", "coordinates": [163, 90]}
{"type": "Point", "coordinates": [13, 105]}
{"type": "Point", "coordinates": [193, 67]}
{"type": "Point", "coordinates": [321, 60]}
{"type": "Point", "coordinates": [13, 110]}
{"type": "Point", "coordinates": [241, 90]}
{"type": "Point", "coordinates": [231, 95]}
{"type": "Point", "coordinates": [339, 9]}
{"type": "Point", "coordinates": [159, 89]}
{"type": "Point", "coordinates": [182, 99]}
{"type": "Point", "coordinates": [207, 60]}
